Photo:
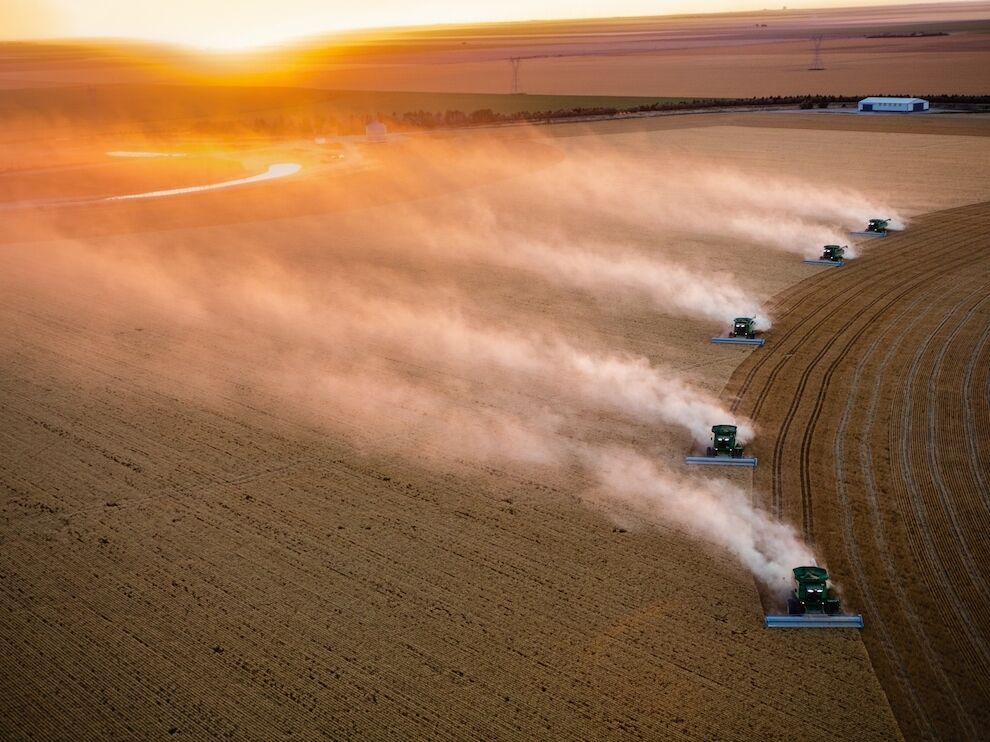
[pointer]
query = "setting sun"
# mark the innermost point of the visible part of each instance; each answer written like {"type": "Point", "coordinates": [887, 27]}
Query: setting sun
{"type": "Point", "coordinates": [221, 40]}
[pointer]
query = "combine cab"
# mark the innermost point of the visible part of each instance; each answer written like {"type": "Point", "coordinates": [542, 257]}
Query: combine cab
{"type": "Point", "coordinates": [813, 605]}
{"type": "Point", "coordinates": [874, 228]}
{"type": "Point", "coordinates": [743, 332]}
{"type": "Point", "coordinates": [724, 451]}
{"type": "Point", "coordinates": [831, 255]}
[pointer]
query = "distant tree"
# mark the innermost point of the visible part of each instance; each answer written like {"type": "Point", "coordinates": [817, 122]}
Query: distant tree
{"type": "Point", "coordinates": [482, 116]}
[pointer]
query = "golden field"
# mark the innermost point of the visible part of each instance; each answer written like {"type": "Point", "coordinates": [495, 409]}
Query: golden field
{"type": "Point", "coordinates": [389, 444]}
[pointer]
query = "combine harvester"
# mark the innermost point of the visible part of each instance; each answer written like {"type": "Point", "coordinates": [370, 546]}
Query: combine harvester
{"type": "Point", "coordinates": [831, 255]}
{"type": "Point", "coordinates": [743, 332]}
{"type": "Point", "coordinates": [724, 451]}
{"type": "Point", "coordinates": [875, 228]}
{"type": "Point", "coordinates": [812, 606]}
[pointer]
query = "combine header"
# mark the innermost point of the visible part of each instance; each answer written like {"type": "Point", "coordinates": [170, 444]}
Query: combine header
{"type": "Point", "coordinates": [875, 228]}
{"type": "Point", "coordinates": [812, 605]}
{"type": "Point", "coordinates": [831, 255]}
{"type": "Point", "coordinates": [743, 332]}
{"type": "Point", "coordinates": [724, 451]}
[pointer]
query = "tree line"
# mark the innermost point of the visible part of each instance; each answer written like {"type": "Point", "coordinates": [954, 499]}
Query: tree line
{"type": "Point", "coordinates": [335, 124]}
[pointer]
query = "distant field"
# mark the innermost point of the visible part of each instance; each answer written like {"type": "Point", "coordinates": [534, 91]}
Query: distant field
{"type": "Point", "coordinates": [177, 102]}
{"type": "Point", "coordinates": [733, 55]}
{"type": "Point", "coordinates": [368, 101]}
{"type": "Point", "coordinates": [177, 110]}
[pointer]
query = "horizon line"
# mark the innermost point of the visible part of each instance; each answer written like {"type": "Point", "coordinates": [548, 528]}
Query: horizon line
{"type": "Point", "coordinates": [303, 40]}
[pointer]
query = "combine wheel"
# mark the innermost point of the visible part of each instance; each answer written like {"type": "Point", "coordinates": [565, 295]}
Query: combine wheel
{"type": "Point", "coordinates": [832, 607]}
{"type": "Point", "coordinates": [710, 451]}
{"type": "Point", "coordinates": [795, 607]}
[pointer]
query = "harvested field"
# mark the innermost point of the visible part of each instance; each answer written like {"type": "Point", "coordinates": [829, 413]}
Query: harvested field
{"type": "Point", "coordinates": [873, 395]}
{"type": "Point", "coordinates": [203, 537]}
{"type": "Point", "coordinates": [719, 69]}
{"type": "Point", "coordinates": [225, 569]}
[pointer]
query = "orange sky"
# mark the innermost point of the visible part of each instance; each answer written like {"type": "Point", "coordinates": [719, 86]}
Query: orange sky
{"type": "Point", "coordinates": [234, 24]}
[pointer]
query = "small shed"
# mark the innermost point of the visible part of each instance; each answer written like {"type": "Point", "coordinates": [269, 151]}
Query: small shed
{"type": "Point", "coordinates": [376, 132]}
{"type": "Point", "coordinates": [893, 105]}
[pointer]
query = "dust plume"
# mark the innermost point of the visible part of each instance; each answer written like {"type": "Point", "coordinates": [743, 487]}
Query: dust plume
{"type": "Point", "coordinates": [716, 511]}
{"type": "Point", "coordinates": [594, 264]}
{"type": "Point", "coordinates": [697, 196]}
{"type": "Point", "coordinates": [789, 234]}
{"type": "Point", "coordinates": [670, 288]}
{"type": "Point", "coordinates": [829, 204]}
{"type": "Point", "coordinates": [382, 341]}
{"type": "Point", "coordinates": [619, 382]}
{"type": "Point", "coordinates": [347, 323]}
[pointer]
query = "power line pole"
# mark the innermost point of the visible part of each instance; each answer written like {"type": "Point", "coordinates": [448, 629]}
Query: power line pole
{"type": "Point", "coordinates": [816, 60]}
{"type": "Point", "coordinates": [515, 62]}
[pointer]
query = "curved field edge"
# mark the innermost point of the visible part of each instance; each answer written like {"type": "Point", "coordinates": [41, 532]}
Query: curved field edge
{"type": "Point", "coordinates": [871, 402]}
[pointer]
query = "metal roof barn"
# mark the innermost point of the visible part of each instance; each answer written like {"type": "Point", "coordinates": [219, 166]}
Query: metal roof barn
{"type": "Point", "coordinates": [894, 105]}
{"type": "Point", "coordinates": [376, 132]}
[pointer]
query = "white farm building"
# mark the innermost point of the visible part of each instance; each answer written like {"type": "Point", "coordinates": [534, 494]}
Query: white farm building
{"type": "Point", "coordinates": [376, 132]}
{"type": "Point", "coordinates": [893, 105]}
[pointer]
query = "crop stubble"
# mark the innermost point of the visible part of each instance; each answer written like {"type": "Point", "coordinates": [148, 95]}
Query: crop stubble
{"type": "Point", "coordinates": [222, 567]}
{"type": "Point", "coordinates": [872, 389]}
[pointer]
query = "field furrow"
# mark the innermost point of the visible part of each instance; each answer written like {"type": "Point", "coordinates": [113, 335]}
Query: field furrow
{"type": "Point", "coordinates": [897, 499]}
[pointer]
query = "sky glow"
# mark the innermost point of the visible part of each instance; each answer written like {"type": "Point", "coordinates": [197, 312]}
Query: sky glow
{"type": "Point", "coordinates": [242, 24]}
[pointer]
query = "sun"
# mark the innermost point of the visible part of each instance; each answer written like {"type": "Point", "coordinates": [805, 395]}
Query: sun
{"type": "Point", "coordinates": [233, 40]}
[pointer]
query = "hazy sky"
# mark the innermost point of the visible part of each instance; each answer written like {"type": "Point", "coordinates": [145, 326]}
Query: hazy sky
{"type": "Point", "coordinates": [240, 23]}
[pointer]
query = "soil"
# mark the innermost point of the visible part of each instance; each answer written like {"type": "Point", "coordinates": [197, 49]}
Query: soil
{"type": "Point", "coordinates": [871, 397]}
{"type": "Point", "coordinates": [190, 547]}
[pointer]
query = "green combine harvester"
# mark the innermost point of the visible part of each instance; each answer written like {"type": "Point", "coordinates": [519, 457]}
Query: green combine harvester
{"type": "Point", "coordinates": [724, 451]}
{"type": "Point", "coordinates": [831, 255]}
{"type": "Point", "coordinates": [743, 332]}
{"type": "Point", "coordinates": [813, 605]}
{"type": "Point", "coordinates": [874, 228]}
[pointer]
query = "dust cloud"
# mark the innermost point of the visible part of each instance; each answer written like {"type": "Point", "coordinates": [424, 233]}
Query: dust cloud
{"type": "Point", "coordinates": [393, 352]}
{"type": "Point", "coordinates": [695, 196]}
{"type": "Point", "coordinates": [716, 511]}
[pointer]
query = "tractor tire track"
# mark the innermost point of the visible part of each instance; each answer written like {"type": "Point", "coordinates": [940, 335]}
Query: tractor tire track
{"type": "Point", "coordinates": [779, 337]}
{"type": "Point", "coordinates": [846, 289]}
{"type": "Point", "coordinates": [878, 530]}
{"type": "Point", "coordinates": [936, 413]}
{"type": "Point", "coordinates": [777, 494]}
{"type": "Point", "coordinates": [805, 381]}
{"type": "Point", "coordinates": [972, 429]}
{"type": "Point", "coordinates": [919, 502]}
{"type": "Point", "coordinates": [871, 604]}
{"type": "Point", "coordinates": [810, 428]}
